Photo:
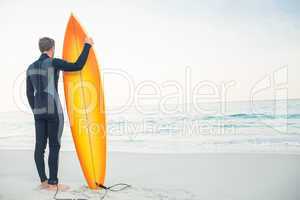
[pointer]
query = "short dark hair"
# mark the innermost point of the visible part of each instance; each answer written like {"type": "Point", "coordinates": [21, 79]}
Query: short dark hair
{"type": "Point", "coordinates": [45, 44]}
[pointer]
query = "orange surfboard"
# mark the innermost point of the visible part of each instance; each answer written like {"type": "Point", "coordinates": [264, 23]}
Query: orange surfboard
{"type": "Point", "coordinates": [85, 106]}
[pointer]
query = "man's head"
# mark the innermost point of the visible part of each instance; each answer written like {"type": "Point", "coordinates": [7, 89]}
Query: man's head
{"type": "Point", "coordinates": [47, 45]}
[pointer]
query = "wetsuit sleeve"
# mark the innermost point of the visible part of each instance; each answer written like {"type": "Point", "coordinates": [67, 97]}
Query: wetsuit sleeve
{"type": "Point", "coordinates": [78, 65]}
{"type": "Point", "coordinates": [29, 92]}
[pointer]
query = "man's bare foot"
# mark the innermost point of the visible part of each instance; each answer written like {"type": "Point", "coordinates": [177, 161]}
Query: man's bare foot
{"type": "Point", "coordinates": [60, 187]}
{"type": "Point", "coordinates": [44, 185]}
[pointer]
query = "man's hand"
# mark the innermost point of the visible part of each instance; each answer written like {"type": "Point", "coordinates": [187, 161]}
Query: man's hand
{"type": "Point", "coordinates": [89, 41]}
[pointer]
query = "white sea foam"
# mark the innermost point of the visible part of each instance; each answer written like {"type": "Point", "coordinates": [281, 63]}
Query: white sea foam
{"type": "Point", "coordinates": [239, 129]}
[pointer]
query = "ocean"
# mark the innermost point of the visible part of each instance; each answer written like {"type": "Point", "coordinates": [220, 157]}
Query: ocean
{"type": "Point", "coordinates": [267, 126]}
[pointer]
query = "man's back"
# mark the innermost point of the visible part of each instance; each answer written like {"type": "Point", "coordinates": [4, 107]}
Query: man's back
{"type": "Point", "coordinates": [42, 81]}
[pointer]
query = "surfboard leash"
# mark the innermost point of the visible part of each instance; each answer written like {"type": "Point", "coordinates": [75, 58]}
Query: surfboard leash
{"type": "Point", "coordinates": [106, 188]}
{"type": "Point", "coordinates": [56, 192]}
{"type": "Point", "coordinates": [111, 188]}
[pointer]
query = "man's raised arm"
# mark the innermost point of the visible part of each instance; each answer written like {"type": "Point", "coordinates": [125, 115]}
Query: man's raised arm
{"type": "Point", "coordinates": [80, 62]}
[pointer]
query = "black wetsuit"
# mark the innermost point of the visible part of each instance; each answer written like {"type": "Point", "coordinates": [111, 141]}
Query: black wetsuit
{"type": "Point", "coordinates": [41, 83]}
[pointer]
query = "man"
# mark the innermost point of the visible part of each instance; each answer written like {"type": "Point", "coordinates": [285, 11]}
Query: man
{"type": "Point", "coordinates": [41, 83]}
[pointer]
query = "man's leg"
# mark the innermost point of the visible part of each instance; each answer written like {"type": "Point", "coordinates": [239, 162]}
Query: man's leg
{"type": "Point", "coordinates": [54, 147]}
{"type": "Point", "coordinates": [55, 128]}
{"type": "Point", "coordinates": [40, 146]}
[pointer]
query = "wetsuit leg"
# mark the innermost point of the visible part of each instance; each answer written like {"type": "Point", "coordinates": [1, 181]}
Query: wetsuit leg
{"type": "Point", "coordinates": [54, 134]}
{"type": "Point", "coordinates": [40, 146]}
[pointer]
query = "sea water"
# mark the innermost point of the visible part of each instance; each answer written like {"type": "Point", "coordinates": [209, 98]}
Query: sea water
{"type": "Point", "coordinates": [243, 126]}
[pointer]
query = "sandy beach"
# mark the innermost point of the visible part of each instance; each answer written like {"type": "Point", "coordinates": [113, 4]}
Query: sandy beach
{"type": "Point", "coordinates": [162, 176]}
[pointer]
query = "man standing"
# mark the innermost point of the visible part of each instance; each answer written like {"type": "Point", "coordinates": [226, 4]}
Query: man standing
{"type": "Point", "coordinates": [41, 89]}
